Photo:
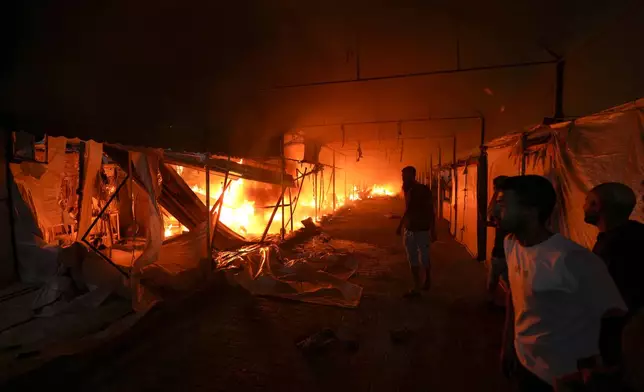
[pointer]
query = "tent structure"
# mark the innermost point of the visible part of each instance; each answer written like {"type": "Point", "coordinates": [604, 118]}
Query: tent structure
{"type": "Point", "coordinates": [574, 155]}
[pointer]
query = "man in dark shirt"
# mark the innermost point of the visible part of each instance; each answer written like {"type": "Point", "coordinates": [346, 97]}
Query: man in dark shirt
{"type": "Point", "coordinates": [619, 242]}
{"type": "Point", "coordinates": [419, 228]}
{"type": "Point", "coordinates": [498, 266]}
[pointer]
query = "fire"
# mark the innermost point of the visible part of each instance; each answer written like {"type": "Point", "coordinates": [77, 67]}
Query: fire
{"type": "Point", "coordinates": [247, 205]}
{"type": "Point", "coordinates": [382, 190]}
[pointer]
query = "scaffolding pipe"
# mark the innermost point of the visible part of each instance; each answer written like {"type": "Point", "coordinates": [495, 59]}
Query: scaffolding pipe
{"type": "Point", "coordinates": [220, 203]}
{"type": "Point", "coordinates": [297, 199]}
{"type": "Point", "coordinates": [208, 243]}
{"type": "Point", "coordinates": [455, 179]}
{"type": "Point", "coordinates": [283, 168]}
{"type": "Point", "coordinates": [333, 180]}
{"type": "Point", "coordinates": [290, 207]}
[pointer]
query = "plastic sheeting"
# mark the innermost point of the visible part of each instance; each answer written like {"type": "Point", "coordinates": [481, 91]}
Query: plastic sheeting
{"type": "Point", "coordinates": [607, 147]}
{"type": "Point", "coordinates": [319, 279]}
{"type": "Point", "coordinates": [577, 156]}
{"type": "Point", "coordinates": [466, 224]}
{"type": "Point", "coordinates": [41, 184]}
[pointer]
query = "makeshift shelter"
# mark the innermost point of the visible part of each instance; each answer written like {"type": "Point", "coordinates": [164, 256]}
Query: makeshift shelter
{"type": "Point", "coordinates": [574, 155]}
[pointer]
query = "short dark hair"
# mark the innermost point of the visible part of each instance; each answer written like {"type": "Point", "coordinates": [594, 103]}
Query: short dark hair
{"type": "Point", "coordinates": [409, 169]}
{"type": "Point", "coordinates": [498, 181]}
{"type": "Point", "coordinates": [533, 191]}
{"type": "Point", "coordinates": [616, 198]}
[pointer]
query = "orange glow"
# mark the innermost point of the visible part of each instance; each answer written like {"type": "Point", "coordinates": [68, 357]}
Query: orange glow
{"type": "Point", "coordinates": [248, 205]}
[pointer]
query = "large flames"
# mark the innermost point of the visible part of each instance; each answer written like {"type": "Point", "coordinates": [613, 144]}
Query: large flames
{"type": "Point", "coordinates": [248, 205]}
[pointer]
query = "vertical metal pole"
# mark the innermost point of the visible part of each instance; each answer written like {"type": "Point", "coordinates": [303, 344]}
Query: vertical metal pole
{"type": "Point", "coordinates": [345, 178]}
{"type": "Point", "coordinates": [208, 242]}
{"type": "Point", "coordinates": [290, 207]}
{"type": "Point", "coordinates": [220, 202]}
{"type": "Point", "coordinates": [524, 157]}
{"type": "Point", "coordinates": [482, 197]}
{"type": "Point", "coordinates": [333, 180]}
{"type": "Point", "coordinates": [315, 193]}
{"type": "Point", "coordinates": [559, 91]}
{"type": "Point", "coordinates": [455, 180]}
{"type": "Point", "coordinates": [440, 185]}
{"type": "Point", "coordinates": [283, 187]}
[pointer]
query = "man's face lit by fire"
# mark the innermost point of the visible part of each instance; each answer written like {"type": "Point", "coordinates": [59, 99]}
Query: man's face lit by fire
{"type": "Point", "coordinates": [592, 209]}
{"type": "Point", "coordinates": [512, 215]}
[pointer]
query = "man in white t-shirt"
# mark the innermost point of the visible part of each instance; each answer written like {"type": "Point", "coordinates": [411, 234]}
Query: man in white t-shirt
{"type": "Point", "coordinates": [559, 291]}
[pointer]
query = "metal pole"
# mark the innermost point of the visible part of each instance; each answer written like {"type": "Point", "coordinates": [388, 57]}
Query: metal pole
{"type": "Point", "coordinates": [290, 207]}
{"type": "Point", "coordinates": [333, 180]}
{"type": "Point", "coordinates": [219, 203]}
{"type": "Point", "coordinates": [482, 195]}
{"type": "Point", "coordinates": [297, 198]}
{"type": "Point", "coordinates": [208, 243]}
{"type": "Point", "coordinates": [455, 179]}
{"type": "Point", "coordinates": [283, 187]}
{"type": "Point", "coordinates": [439, 187]}
{"type": "Point", "coordinates": [270, 222]}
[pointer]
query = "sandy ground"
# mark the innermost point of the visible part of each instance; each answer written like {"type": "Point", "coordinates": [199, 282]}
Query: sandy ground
{"type": "Point", "coordinates": [227, 340]}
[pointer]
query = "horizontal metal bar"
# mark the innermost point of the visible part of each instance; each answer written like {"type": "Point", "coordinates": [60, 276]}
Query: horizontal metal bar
{"type": "Point", "coordinates": [415, 74]}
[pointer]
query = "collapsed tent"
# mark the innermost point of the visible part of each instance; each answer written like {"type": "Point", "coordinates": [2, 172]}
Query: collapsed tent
{"type": "Point", "coordinates": [319, 279]}
{"type": "Point", "coordinates": [574, 155]}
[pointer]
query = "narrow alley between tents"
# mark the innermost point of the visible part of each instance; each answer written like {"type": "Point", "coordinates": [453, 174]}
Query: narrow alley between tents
{"type": "Point", "coordinates": [226, 339]}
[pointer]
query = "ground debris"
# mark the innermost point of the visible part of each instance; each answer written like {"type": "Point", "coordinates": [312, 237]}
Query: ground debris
{"type": "Point", "coordinates": [318, 342]}
{"type": "Point", "coordinates": [401, 335]}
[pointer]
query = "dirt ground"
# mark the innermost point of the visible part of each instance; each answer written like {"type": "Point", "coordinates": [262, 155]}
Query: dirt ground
{"type": "Point", "coordinates": [224, 339]}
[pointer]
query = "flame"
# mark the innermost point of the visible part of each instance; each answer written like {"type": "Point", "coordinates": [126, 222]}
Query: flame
{"type": "Point", "coordinates": [241, 213]}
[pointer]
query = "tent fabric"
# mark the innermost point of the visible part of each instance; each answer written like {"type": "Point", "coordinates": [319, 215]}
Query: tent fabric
{"type": "Point", "coordinates": [41, 183]}
{"type": "Point", "coordinates": [320, 278]}
{"type": "Point", "coordinates": [576, 156]}
{"type": "Point", "coordinates": [604, 148]}
{"type": "Point", "coordinates": [467, 216]}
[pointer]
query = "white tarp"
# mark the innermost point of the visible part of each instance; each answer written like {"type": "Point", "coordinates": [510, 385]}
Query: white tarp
{"type": "Point", "coordinates": [608, 147]}
{"type": "Point", "coordinates": [466, 224]}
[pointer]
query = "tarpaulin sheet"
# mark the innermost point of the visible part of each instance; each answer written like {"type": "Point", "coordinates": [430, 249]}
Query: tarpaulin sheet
{"type": "Point", "coordinates": [319, 279]}
{"type": "Point", "coordinates": [35, 193]}
{"type": "Point", "coordinates": [42, 184]}
{"type": "Point", "coordinates": [604, 148]}
{"type": "Point", "coordinates": [500, 163]}
{"type": "Point", "coordinates": [466, 224]}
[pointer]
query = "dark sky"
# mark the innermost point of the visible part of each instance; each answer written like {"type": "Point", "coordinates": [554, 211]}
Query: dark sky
{"type": "Point", "coordinates": [190, 74]}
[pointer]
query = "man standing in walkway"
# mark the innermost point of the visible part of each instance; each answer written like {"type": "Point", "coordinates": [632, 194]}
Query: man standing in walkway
{"type": "Point", "coordinates": [560, 292]}
{"type": "Point", "coordinates": [419, 228]}
{"type": "Point", "coordinates": [619, 242]}
{"type": "Point", "coordinates": [498, 266]}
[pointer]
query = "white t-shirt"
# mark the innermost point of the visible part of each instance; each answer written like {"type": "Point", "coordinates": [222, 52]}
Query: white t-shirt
{"type": "Point", "coordinates": [560, 291]}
